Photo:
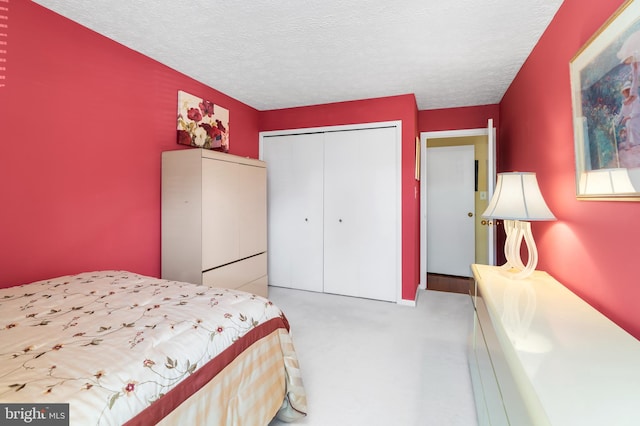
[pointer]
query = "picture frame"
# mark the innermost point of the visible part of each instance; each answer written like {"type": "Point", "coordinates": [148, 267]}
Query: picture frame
{"type": "Point", "coordinates": [605, 75]}
{"type": "Point", "coordinates": [201, 123]}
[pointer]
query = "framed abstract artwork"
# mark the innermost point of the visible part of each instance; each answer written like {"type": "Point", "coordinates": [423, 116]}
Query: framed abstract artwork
{"type": "Point", "coordinates": [201, 123]}
{"type": "Point", "coordinates": [606, 109]}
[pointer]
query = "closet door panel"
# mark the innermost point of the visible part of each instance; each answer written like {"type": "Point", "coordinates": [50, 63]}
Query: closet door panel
{"type": "Point", "coordinates": [295, 210]}
{"type": "Point", "coordinates": [378, 213]}
{"type": "Point", "coordinates": [342, 193]}
{"type": "Point", "coordinates": [360, 213]}
{"type": "Point", "coordinates": [307, 224]}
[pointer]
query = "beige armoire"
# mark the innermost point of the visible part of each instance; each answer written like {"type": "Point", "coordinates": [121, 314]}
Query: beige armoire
{"type": "Point", "coordinates": [214, 219]}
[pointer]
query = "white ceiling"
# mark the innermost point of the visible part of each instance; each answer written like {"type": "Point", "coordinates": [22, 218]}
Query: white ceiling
{"type": "Point", "coordinates": [274, 54]}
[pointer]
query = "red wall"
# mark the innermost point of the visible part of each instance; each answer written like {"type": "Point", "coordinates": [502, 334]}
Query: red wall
{"type": "Point", "coordinates": [475, 117]}
{"type": "Point", "coordinates": [591, 248]}
{"type": "Point", "coordinates": [392, 108]}
{"type": "Point", "coordinates": [83, 121]}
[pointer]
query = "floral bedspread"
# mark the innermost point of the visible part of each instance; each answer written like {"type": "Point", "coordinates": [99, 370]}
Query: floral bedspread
{"type": "Point", "coordinates": [111, 343]}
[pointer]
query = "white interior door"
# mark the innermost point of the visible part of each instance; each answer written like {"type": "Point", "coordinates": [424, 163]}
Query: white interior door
{"type": "Point", "coordinates": [295, 216]}
{"type": "Point", "coordinates": [450, 199]}
{"type": "Point", "coordinates": [360, 214]}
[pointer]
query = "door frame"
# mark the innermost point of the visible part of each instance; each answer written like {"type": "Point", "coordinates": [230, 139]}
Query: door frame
{"type": "Point", "coordinates": [488, 131]}
{"type": "Point", "coordinates": [397, 124]}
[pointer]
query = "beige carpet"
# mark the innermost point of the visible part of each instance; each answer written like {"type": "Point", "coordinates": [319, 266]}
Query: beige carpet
{"type": "Point", "coordinates": [369, 363]}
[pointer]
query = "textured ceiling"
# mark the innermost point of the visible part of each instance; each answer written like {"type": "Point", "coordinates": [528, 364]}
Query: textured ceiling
{"type": "Point", "coordinates": [274, 54]}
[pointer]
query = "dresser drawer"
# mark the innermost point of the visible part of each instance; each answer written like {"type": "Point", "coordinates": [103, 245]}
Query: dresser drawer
{"type": "Point", "coordinates": [259, 286]}
{"type": "Point", "coordinates": [489, 402]}
{"type": "Point", "coordinates": [238, 274]}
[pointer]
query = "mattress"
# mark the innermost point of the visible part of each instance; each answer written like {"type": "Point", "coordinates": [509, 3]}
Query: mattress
{"type": "Point", "coordinates": [122, 348]}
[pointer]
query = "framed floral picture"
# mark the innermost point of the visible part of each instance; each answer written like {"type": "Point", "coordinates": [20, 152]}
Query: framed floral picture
{"type": "Point", "coordinates": [201, 123]}
{"type": "Point", "coordinates": [605, 76]}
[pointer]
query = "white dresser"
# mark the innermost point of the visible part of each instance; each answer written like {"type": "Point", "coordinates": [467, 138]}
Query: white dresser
{"type": "Point", "coordinates": [214, 219]}
{"type": "Point", "coordinates": [540, 355]}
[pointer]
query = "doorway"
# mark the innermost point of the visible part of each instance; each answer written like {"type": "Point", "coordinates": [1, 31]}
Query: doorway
{"type": "Point", "coordinates": [484, 141]}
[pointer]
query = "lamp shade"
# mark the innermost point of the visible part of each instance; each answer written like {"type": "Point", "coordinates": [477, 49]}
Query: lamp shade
{"type": "Point", "coordinates": [606, 181]}
{"type": "Point", "coordinates": [517, 197]}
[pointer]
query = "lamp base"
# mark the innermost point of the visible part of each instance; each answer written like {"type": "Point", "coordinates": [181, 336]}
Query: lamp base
{"type": "Point", "coordinates": [516, 232]}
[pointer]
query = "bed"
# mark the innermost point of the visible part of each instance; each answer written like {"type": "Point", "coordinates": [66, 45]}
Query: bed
{"type": "Point", "coordinates": [123, 348]}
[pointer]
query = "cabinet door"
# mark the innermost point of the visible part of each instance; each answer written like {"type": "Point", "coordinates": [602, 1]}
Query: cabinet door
{"type": "Point", "coordinates": [220, 220]}
{"type": "Point", "coordinates": [360, 211]}
{"type": "Point", "coordinates": [294, 182]}
{"type": "Point", "coordinates": [181, 214]}
{"type": "Point", "coordinates": [252, 210]}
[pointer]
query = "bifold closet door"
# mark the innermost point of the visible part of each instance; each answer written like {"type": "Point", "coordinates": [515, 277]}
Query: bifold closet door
{"type": "Point", "coordinates": [360, 213]}
{"type": "Point", "coordinates": [295, 197]}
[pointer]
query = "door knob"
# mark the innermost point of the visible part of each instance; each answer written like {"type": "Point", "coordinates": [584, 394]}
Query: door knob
{"type": "Point", "coordinates": [470, 214]}
{"type": "Point", "coordinates": [484, 222]}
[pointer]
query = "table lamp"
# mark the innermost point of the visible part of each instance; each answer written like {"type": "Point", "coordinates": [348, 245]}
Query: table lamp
{"type": "Point", "coordinates": [606, 182]}
{"type": "Point", "coordinates": [517, 200]}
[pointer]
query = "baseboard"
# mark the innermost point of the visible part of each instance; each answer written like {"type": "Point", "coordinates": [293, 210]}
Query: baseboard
{"type": "Point", "coordinates": [407, 302]}
{"type": "Point", "coordinates": [412, 303]}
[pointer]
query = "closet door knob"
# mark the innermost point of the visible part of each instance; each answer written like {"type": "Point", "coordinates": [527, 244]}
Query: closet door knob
{"type": "Point", "coordinates": [306, 219]}
{"type": "Point", "coordinates": [340, 220]}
